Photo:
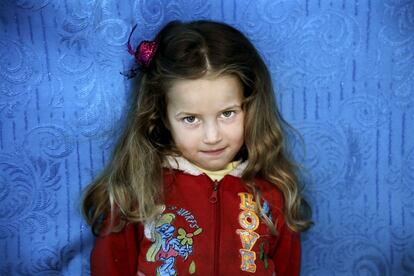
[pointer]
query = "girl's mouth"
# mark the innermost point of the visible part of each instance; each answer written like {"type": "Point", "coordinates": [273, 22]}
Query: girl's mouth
{"type": "Point", "coordinates": [214, 152]}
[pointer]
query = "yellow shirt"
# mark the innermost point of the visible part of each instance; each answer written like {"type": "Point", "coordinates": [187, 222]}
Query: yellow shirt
{"type": "Point", "coordinates": [218, 175]}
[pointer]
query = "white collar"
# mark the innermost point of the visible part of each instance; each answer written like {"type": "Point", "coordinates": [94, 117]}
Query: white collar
{"type": "Point", "coordinates": [182, 164]}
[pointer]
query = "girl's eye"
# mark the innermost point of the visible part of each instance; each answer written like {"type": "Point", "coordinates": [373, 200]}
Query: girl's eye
{"type": "Point", "coordinates": [190, 119]}
{"type": "Point", "coordinates": [228, 114]}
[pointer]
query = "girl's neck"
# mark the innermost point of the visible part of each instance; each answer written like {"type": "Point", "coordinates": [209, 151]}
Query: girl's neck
{"type": "Point", "coordinates": [235, 168]}
{"type": "Point", "coordinates": [218, 175]}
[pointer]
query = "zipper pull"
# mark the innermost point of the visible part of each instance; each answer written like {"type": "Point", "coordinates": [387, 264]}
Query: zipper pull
{"type": "Point", "coordinates": [213, 197]}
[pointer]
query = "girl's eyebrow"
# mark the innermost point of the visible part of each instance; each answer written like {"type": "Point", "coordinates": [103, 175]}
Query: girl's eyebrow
{"type": "Point", "coordinates": [232, 107]}
{"type": "Point", "coordinates": [184, 113]}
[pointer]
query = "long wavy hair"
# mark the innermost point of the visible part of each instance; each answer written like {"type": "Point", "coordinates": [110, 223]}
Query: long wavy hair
{"type": "Point", "coordinates": [130, 188]}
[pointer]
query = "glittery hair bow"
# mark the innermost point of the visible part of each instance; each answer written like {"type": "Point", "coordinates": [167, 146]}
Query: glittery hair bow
{"type": "Point", "coordinates": [143, 54]}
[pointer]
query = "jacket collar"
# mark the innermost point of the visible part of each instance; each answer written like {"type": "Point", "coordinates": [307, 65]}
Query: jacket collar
{"type": "Point", "coordinates": [182, 164]}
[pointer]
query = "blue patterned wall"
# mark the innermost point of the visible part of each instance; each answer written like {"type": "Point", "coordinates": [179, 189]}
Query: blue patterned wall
{"type": "Point", "coordinates": [344, 73]}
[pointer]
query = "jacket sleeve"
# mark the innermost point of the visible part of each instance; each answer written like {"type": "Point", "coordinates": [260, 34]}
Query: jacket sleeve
{"type": "Point", "coordinates": [287, 253]}
{"type": "Point", "coordinates": [116, 253]}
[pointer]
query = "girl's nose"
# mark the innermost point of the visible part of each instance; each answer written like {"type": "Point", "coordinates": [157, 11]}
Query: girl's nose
{"type": "Point", "coordinates": [211, 133]}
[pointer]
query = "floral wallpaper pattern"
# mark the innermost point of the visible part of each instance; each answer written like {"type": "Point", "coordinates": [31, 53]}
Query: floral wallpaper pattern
{"type": "Point", "coordinates": [343, 72]}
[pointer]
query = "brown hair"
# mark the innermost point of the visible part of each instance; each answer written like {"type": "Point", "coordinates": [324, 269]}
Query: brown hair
{"type": "Point", "coordinates": [130, 188]}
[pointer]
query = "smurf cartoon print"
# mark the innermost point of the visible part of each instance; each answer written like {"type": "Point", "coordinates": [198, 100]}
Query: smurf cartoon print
{"type": "Point", "coordinates": [167, 246]}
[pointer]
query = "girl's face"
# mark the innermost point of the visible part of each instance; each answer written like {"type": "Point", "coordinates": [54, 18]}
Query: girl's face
{"type": "Point", "coordinates": [206, 119]}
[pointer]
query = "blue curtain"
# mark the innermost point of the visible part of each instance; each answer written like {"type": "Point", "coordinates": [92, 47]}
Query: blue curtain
{"type": "Point", "coordinates": [343, 73]}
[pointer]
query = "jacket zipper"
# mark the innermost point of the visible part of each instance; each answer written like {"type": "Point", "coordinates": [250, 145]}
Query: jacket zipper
{"type": "Point", "coordinates": [215, 200]}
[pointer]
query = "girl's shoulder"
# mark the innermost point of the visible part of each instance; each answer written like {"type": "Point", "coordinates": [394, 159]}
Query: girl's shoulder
{"type": "Point", "coordinates": [267, 187]}
{"type": "Point", "coordinates": [271, 194]}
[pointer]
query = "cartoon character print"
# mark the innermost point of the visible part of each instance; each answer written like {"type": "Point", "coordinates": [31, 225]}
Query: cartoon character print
{"type": "Point", "coordinates": [266, 210]}
{"type": "Point", "coordinates": [167, 246]}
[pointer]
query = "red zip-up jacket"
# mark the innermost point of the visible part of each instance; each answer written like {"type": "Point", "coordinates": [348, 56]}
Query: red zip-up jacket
{"type": "Point", "coordinates": [206, 228]}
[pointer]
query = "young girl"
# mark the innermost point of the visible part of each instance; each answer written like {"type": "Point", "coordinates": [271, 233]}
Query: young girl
{"type": "Point", "coordinates": [200, 182]}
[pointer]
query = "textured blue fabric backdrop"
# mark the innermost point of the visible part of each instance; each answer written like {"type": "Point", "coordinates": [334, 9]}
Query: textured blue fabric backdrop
{"type": "Point", "coordinates": [344, 75]}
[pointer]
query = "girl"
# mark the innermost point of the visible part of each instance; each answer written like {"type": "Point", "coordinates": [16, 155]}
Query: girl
{"type": "Point", "coordinates": [200, 182]}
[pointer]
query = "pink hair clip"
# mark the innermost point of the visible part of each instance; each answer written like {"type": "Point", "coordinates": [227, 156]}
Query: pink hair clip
{"type": "Point", "coordinates": [145, 51]}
